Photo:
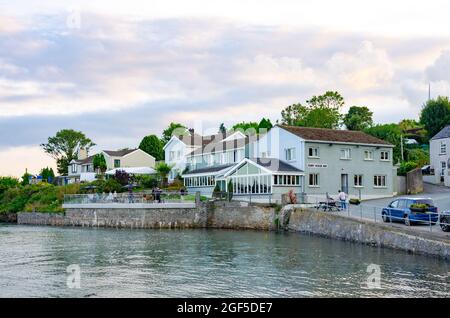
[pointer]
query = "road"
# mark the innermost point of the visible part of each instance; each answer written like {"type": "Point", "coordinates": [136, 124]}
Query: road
{"type": "Point", "coordinates": [370, 210]}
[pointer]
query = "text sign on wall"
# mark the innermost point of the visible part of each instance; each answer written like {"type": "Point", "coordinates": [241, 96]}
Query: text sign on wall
{"type": "Point", "coordinates": [317, 165]}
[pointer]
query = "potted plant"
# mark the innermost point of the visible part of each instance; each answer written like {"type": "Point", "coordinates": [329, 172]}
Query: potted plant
{"type": "Point", "coordinates": [354, 201]}
{"type": "Point", "coordinates": [419, 207]}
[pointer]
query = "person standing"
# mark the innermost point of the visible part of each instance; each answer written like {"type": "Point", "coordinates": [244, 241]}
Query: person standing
{"type": "Point", "coordinates": [343, 199]}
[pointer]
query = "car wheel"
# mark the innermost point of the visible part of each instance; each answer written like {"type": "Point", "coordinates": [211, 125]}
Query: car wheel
{"type": "Point", "coordinates": [445, 227]}
{"type": "Point", "coordinates": [385, 217]}
{"type": "Point", "coordinates": [407, 221]}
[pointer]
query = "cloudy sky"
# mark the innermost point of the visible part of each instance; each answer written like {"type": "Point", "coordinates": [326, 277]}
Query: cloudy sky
{"type": "Point", "coordinates": [121, 70]}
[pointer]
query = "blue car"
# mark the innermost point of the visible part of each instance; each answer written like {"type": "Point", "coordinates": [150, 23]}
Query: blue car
{"type": "Point", "coordinates": [400, 210]}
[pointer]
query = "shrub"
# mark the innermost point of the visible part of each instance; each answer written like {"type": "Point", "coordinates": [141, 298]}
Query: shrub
{"type": "Point", "coordinates": [147, 182]}
{"type": "Point", "coordinates": [406, 167]}
{"type": "Point", "coordinates": [122, 177]}
{"type": "Point", "coordinates": [354, 201]}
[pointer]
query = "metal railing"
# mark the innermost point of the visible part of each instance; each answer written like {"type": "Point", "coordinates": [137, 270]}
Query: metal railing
{"type": "Point", "coordinates": [130, 198]}
{"type": "Point", "coordinates": [375, 214]}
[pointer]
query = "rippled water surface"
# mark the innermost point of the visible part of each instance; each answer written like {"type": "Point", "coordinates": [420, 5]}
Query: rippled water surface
{"type": "Point", "coordinates": [205, 263]}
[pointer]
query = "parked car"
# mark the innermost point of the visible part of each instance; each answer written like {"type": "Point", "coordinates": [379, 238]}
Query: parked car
{"type": "Point", "coordinates": [411, 211]}
{"type": "Point", "coordinates": [445, 221]}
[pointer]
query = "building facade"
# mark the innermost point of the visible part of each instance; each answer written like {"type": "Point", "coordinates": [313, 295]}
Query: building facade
{"type": "Point", "coordinates": [440, 157]}
{"type": "Point", "coordinates": [309, 161]}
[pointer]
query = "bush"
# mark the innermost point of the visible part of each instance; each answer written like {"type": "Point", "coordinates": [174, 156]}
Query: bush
{"type": "Point", "coordinates": [354, 201]}
{"type": "Point", "coordinates": [147, 182]}
{"type": "Point", "coordinates": [406, 167]}
{"type": "Point", "coordinates": [176, 185]}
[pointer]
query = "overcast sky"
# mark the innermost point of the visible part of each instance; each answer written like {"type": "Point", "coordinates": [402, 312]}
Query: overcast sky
{"type": "Point", "coordinates": [120, 71]}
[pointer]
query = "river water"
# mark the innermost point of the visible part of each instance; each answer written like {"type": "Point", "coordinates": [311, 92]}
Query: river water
{"type": "Point", "coordinates": [206, 263]}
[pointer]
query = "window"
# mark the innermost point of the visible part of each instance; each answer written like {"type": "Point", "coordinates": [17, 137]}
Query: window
{"type": "Point", "coordinates": [379, 181]}
{"type": "Point", "coordinates": [251, 184]}
{"type": "Point", "coordinates": [443, 166]}
{"type": "Point", "coordinates": [178, 154]}
{"type": "Point", "coordinates": [116, 163]}
{"type": "Point", "coordinates": [313, 180]}
{"type": "Point", "coordinates": [290, 154]}
{"type": "Point", "coordinates": [313, 152]}
{"type": "Point", "coordinates": [74, 168]}
{"type": "Point", "coordinates": [286, 180]}
{"type": "Point", "coordinates": [394, 204]}
{"type": "Point", "coordinates": [385, 155]}
{"type": "Point", "coordinates": [443, 148]}
{"type": "Point", "coordinates": [264, 155]}
{"type": "Point", "coordinates": [346, 153]}
{"type": "Point", "coordinates": [368, 155]}
{"type": "Point", "coordinates": [358, 180]}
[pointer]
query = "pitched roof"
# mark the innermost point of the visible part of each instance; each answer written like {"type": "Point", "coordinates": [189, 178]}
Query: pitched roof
{"type": "Point", "coordinates": [275, 165]}
{"type": "Point", "coordinates": [119, 153]}
{"type": "Point", "coordinates": [88, 160]}
{"type": "Point", "coordinates": [209, 169]}
{"type": "Point", "coordinates": [334, 135]}
{"type": "Point", "coordinates": [444, 133]}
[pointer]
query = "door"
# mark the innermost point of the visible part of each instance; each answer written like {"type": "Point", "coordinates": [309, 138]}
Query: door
{"type": "Point", "coordinates": [344, 183]}
{"type": "Point", "coordinates": [399, 212]}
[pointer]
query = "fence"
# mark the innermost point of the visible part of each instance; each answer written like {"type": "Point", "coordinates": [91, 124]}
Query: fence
{"type": "Point", "coordinates": [382, 215]}
{"type": "Point", "coordinates": [141, 197]}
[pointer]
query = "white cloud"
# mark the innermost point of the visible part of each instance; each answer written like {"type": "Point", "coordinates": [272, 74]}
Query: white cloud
{"type": "Point", "coordinates": [16, 160]}
{"type": "Point", "coordinates": [366, 68]}
{"type": "Point", "coordinates": [440, 70]}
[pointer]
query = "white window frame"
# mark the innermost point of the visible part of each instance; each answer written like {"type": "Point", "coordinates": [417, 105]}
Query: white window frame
{"type": "Point", "coordinates": [368, 155]}
{"type": "Point", "coordinates": [443, 148]}
{"type": "Point", "coordinates": [443, 167]}
{"type": "Point", "coordinates": [387, 156]}
{"type": "Point", "coordinates": [290, 154]}
{"type": "Point", "coordinates": [358, 180]}
{"type": "Point", "coordinates": [313, 152]}
{"type": "Point", "coordinates": [379, 181]}
{"type": "Point", "coordinates": [74, 168]}
{"type": "Point", "coordinates": [315, 180]}
{"type": "Point", "coordinates": [346, 154]}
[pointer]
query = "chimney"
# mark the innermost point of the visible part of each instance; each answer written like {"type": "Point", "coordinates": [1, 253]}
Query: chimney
{"type": "Point", "coordinates": [82, 154]}
{"type": "Point", "coordinates": [191, 131]}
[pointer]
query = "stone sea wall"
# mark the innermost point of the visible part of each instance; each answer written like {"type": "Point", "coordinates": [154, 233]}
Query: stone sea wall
{"type": "Point", "coordinates": [365, 232]}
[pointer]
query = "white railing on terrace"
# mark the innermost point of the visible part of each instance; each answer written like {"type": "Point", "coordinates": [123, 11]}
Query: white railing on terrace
{"type": "Point", "coordinates": [138, 198]}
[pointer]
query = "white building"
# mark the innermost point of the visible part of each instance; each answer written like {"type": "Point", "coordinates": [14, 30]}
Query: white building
{"type": "Point", "coordinates": [440, 157]}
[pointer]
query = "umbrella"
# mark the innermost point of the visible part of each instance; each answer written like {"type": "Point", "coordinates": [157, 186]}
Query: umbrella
{"type": "Point", "coordinates": [130, 186]}
{"type": "Point", "coordinates": [89, 187]}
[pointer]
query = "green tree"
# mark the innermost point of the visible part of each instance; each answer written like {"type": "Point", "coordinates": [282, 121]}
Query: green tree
{"type": "Point", "coordinates": [99, 162]}
{"type": "Point", "coordinates": [153, 146]}
{"type": "Point", "coordinates": [247, 128]}
{"type": "Point", "coordinates": [390, 133]}
{"type": "Point", "coordinates": [63, 147]}
{"type": "Point", "coordinates": [163, 170]}
{"type": "Point", "coordinates": [47, 174]}
{"type": "Point", "coordinates": [265, 124]}
{"type": "Point", "coordinates": [25, 178]}
{"type": "Point", "coordinates": [173, 129]}
{"type": "Point", "coordinates": [358, 118]}
{"type": "Point", "coordinates": [418, 155]}
{"type": "Point", "coordinates": [7, 183]}
{"type": "Point", "coordinates": [435, 115]}
{"type": "Point", "coordinates": [321, 111]}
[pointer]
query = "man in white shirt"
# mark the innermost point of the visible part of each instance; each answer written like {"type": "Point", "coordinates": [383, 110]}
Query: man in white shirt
{"type": "Point", "coordinates": [342, 196]}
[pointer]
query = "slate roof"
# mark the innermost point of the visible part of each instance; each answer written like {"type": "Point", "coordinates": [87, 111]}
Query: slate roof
{"type": "Point", "coordinates": [119, 153]}
{"type": "Point", "coordinates": [209, 169]}
{"type": "Point", "coordinates": [334, 135]}
{"type": "Point", "coordinates": [444, 133]}
{"type": "Point", "coordinates": [275, 165]}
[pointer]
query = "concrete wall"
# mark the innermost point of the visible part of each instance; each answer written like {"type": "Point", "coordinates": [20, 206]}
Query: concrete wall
{"type": "Point", "coordinates": [344, 228]}
{"type": "Point", "coordinates": [414, 181]}
{"type": "Point", "coordinates": [401, 185]}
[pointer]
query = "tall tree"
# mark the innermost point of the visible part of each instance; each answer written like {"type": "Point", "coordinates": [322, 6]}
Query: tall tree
{"type": "Point", "coordinates": [63, 147]}
{"type": "Point", "coordinates": [435, 115]}
{"type": "Point", "coordinates": [358, 118]}
{"type": "Point", "coordinates": [321, 111]}
{"type": "Point", "coordinates": [222, 128]}
{"type": "Point", "coordinates": [174, 128]}
{"type": "Point", "coordinates": [153, 146]}
{"type": "Point", "coordinates": [99, 162]}
{"type": "Point", "coordinates": [47, 174]}
{"type": "Point", "coordinates": [390, 133]}
{"type": "Point", "coordinates": [250, 127]}
{"type": "Point", "coordinates": [265, 124]}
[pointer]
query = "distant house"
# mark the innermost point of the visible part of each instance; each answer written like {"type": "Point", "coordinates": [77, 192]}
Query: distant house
{"type": "Point", "coordinates": [177, 150]}
{"type": "Point", "coordinates": [440, 157]}
{"type": "Point", "coordinates": [82, 169]}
